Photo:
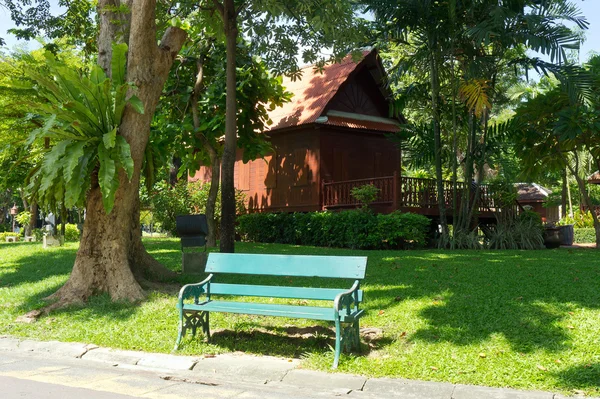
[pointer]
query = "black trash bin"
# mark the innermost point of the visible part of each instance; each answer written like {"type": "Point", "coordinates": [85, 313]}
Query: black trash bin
{"type": "Point", "coordinates": [192, 230]}
{"type": "Point", "coordinates": [566, 234]}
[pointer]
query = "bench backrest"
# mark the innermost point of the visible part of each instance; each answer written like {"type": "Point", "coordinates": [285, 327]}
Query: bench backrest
{"type": "Point", "coordinates": [350, 267]}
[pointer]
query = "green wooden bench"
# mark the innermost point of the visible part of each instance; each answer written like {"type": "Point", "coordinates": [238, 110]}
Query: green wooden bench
{"type": "Point", "coordinates": [342, 304]}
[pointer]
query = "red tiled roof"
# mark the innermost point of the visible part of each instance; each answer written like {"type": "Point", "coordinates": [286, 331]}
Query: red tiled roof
{"type": "Point", "coordinates": [531, 192]}
{"type": "Point", "coordinates": [312, 92]}
{"type": "Point", "coordinates": [361, 124]}
{"type": "Point", "coordinates": [594, 178]}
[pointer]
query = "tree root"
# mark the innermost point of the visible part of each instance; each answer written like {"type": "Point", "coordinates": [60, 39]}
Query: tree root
{"type": "Point", "coordinates": [148, 268]}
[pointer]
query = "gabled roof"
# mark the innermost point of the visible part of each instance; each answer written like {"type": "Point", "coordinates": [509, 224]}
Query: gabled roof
{"type": "Point", "coordinates": [313, 91]}
{"type": "Point", "coordinates": [532, 192]}
{"type": "Point", "coordinates": [594, 178]}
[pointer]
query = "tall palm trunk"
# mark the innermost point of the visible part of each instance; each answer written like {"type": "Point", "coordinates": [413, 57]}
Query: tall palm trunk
{"type": "Point", "coordinates": [435, 92]}
{"type": "Point", "coordinates": [228, 209]}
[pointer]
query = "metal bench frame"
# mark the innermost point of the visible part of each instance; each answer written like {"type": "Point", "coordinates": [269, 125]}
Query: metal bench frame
{"type": "Point", "coordinates": [344, 310]}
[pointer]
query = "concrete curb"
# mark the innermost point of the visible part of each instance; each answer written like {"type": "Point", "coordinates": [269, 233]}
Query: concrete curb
{"type": "Point", "coordinates": [233, 367]}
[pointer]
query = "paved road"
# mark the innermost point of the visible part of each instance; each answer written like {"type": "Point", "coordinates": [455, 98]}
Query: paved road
{"type": "Point", "coordinates": [31, 376]}
{"type": "Point", "coordinates": [16, 388]}
{"type": "Point", "coordinates": [34, 369]}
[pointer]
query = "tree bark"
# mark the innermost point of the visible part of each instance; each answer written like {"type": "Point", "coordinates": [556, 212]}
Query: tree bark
{"type": "Point", "coordinates": [228, 208]}
{"type": "Point", "coordinates": [111, 254]}
{"type": "Point", "coordinates": [174, 170]}
{"type": "Point", "coordinates": [33, 209]}
{"type": "Point", "coordinates": [215, 162]}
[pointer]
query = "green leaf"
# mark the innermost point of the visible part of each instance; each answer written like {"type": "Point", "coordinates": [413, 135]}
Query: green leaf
{"type": "Point", "coordinates": [108, 139]}
{"type": "Point", "coordinates": [124, 156]}
{"type": "Point", "coordinates": [120, 94]}
{"type": "Point", "coordinates": [76, 186]}
{"type": "Point", "coordinates": [52, 165]}
{"type": "Point", "coordinates": [118, 63]}
{"type": "Point", "coordinates": [107, 178]}
{"type": "Point", "coordinates": [39, 133]}
{"type": "Point", "coordinates": [137, 104]}
{"type": "Point", "coordinates": [97, 75]}
{"type": "Point", "coordinates": [73, 153]}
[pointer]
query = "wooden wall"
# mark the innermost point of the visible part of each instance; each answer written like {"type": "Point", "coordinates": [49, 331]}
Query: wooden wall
{"type": "Point", "coordinates": [550, 214]}
{"type": "Point", "coordinates": [347, 155]}
{"type": "Point", "coordinates": [286, 180]}
{"type": "Point", "coordinates": [290, 178]}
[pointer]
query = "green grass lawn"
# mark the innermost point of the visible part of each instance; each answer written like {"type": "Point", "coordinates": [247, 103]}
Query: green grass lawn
{"type": "Point", "coordinates": [523, 319]}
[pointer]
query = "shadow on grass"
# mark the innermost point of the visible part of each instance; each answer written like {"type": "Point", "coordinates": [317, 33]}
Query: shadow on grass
{"type": "Point", "coordinates": [522, 295]}
{"type": "Point", "coordinates": [582, 377]}
{"type": "Point", "coordinates": [289, 341]}
{"type": "Point", "coordinates": [47, 270]}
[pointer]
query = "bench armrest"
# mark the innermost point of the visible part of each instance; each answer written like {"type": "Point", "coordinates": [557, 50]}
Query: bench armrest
{"type": "Point", "coordinates": [194, 290]}
{"type": "Point", "coordinates": [347, 298]}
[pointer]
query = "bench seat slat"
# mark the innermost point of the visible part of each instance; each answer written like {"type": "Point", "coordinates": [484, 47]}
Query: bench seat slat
{"type": "Point", "coordinates": [270, 291]}
{"type": "Point", "coordinates": [351, 267]}
{"type": "Point", "coordinates": [267, 309]}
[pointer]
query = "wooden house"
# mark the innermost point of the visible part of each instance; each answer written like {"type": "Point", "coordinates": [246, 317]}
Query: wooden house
{"type": "Point", "coordinates": [332, 137]}
{"type": "Point", "coordinates": [333, 130]}
{"type": "Point", "coordinates": [532, 196]}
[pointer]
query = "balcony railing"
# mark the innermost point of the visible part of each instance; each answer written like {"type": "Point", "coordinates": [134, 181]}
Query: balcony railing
{"type": "Point", "coordinates": [339, 194]}
{"type": "Point", "coordinates": [411, 193]}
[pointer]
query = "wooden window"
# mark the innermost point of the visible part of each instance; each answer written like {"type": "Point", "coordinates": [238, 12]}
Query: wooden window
{"type": "Point", "coordinates": [301, 166]}
{"type": "Point", "coordinates": [271, 175]}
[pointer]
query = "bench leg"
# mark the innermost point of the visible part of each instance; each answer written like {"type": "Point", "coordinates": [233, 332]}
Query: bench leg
{"type": "Point", "coordinates": [192, 320]}
{"type": "Point", "coordinates": [198, 319]}
{"type": "Point", "coordinates": [206, 325]}
{"type": "Point", "coordinates": [181, 331]}
{"type": "Point", "coordinates": [338, 343]}
{"type": "Point", "coordinates": [356, 327]}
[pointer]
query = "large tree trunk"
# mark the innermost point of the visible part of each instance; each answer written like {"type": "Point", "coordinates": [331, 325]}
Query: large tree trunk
{"type": "Point", "coordinates": [33, 209]}
{"type": "Point", "coordinates": [211, 202]}
{"type": "Point", "coordinates": [111, 251]}
{"type": "Point", "coordinates": [228, 208]}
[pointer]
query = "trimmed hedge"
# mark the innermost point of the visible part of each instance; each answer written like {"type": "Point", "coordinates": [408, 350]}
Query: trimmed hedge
{"type": "Point", "coordinates": [354, 229]}
{"type": "Point", "coordinates": [584, 235]}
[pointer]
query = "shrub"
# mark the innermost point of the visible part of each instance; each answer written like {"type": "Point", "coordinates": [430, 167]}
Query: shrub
{"type": "Point", "coordinates": [38, 234]}
{"type": "Point", "coordinates": [185, 199]}
{"type": "Point", "coordinates": [584, 235]}
{"type": "Point", "coordinates": [366, 194]}
{"type": "Point", "coordinates": [527, 232]}
{"type": "Point", "coordinates": [347, 229]}
{"type": "Point", "coordinates": [579, 220]}
{"type": "Point", "coordinates": [71, 232]}
{"type": "Point", "coordinates": [23, 218]}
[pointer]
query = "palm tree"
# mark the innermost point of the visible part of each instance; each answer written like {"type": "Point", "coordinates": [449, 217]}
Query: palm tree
{"type": "Point", "coordinates": [422, 25]}
{"type": "Point", "coordinates": [487, 39]}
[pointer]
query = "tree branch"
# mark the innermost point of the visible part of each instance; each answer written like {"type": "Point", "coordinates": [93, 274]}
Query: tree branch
{"type": "Point", "coordinates": [220, 8]}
